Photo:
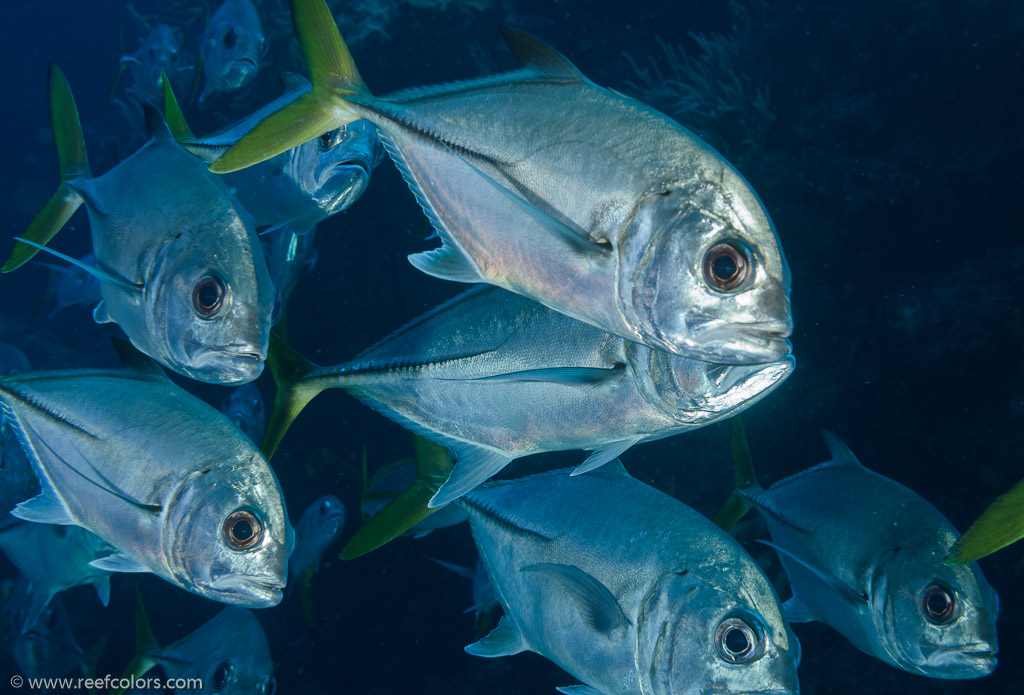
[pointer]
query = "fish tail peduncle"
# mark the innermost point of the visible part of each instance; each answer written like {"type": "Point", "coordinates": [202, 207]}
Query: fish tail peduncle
{"type": "Point", "coordinates": [294, 390]}
{"type": "Point", "coordinates": [737, 506]}
{"type": "Point", "coordinates": [74, 163]}
{"type": "Point", "coordinates": [325, 107]}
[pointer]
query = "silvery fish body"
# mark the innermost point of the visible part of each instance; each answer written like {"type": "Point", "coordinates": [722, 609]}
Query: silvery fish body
{"type": "Point", "coordinates": [494, 376]}
{"type": "Point", "coordinates": [244, 407]}
{"type": "Point", "coordinates": [17, 483]}
{"type": "Point", "coordinates": [542, 182]}
{"type": "Point", "coordinates": [306, 184]}
{"type": "Point", "coordinates": [231, 47]}
{"type": "Point", "coordinates": [316, 529]}
{"type": "Point", "coordinates": [228, 655]}
{"type": "Point", "coordinates": [159, 52]}
{"type": "Point", "coordinates": [55, 558]}
{"type": "Point", "coordinates": [205, 512]}
{"type": "Point", "coordinates": [163, 223]}
{"type": "Point", "coordinates": [864, 554]}
{"type": "Point", "coordinates": [627, 589]}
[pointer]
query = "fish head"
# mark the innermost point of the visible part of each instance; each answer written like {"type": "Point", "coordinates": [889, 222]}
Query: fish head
{"type": "Point", "coordinates": [701, 273]}
{"type": "Point", "coordinates": [716, 629]}
{"type": "Point", "coordinates": [321, 521]}
{"type": "Point", "coordinates": [334, 169]}
{"type": "Point", "coordinates": [932, 619]}
{"type": "Point", "coordinates": [696, 393]}
{"type": "Point", "coordinates": [228, 534]}
{"type": "Point", "coordinates": [245, 408]}
{"type": "Point", "coordinates": [209, 310]}
{"type": "Point", "coordinates": [232, 46]}
{"type": "Point", "coordinates": [160, 52]}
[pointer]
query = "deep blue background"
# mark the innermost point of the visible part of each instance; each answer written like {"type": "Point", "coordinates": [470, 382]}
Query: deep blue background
{"type": "Point", "coordinates": [889, 159]}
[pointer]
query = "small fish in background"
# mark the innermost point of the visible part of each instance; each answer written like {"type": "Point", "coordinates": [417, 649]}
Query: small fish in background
{"type": "Point", "coordinates": [207, 515]}
{"type": "Point", "coordinates": [228, 655]}
{"type": "Point", "coordinates": [659, 601]}
{"type": "Point", "coordinates": [649, 234]}
{"type": "Point", "coordinates": [55, 558]}
{"type": "Point", "coordinates": [316, 529]}
{"type": "Point", "coordinates": [158, 54]}
{"type": "Point", "coordinates": [297, 188]}
{"type": "Point", "coordinates": [74, 286]}
{"type": "Point", "coordinates": [12, 360]}
{"type": "Point", "coordinates": [180, 267]}
{"type": "Point", "coordinates": [231, 47]}
{"type": "Point", "coordinates": [864, 554]}
{"type": "Point", "coordinates": [48, 648]}
{"type": "Point", "coordinates": [290, 254]}
{"type": "Point", "coordinates": [244, 407]}
{"type": "Point", "coordinates": [17, 482]}
{"type": "Point", "coordinates": [495, 376]}
{"type": "Point", "coordinates": [1000, 525]}
{"type": "Point", "coordinates": [484, 598]}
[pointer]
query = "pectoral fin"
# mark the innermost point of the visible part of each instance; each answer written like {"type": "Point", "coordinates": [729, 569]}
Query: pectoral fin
{"type": "Point", "coordinates": [830, 580]}
{"type": "Point", "coordinates": [578, 690]}
{"type": "Point", "coordinates": [473, 466]}
{"type": "Point", "coordinates": [606, 453]}
{"type": "Point", "coordinates": [568, 376]}
{"type": "Point", "coordinates": [504, 640]}
{"type": "Point", "coordinates": [45, 508]}
{"type": "Point", "coordinates": [794, 611]}
{"type": "Point", "coordinates": [598, 607]}
{"type": "Point", "coordinates": [119, 562]}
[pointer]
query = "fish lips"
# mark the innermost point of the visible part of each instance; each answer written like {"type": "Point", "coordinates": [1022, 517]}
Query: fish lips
{"type": "Point", "coordinates": [236, 363]}
{"type": "Point", "coordinates": [246, 590]}
{"type": "Point", "coordinates": [974, 660]}
{"type": "Point", "coordinates": [741, 343]}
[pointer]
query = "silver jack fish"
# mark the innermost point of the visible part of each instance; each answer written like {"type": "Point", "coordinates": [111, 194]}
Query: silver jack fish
{"type": "Point", "coordinates": [158, 55]}
{"type": "Point", "coordinates": [541, 182]}
{"type": "Point", "coordinates": [181, 268]}
{"type": "Point", "coordinates": [300, 187]}
{"type": "Point", "coordinates": [864, 555]}
{"type": "Point", "coordinates": [627, 589]}
{"type": "Point", "coordinates": [231, 47]}
{"type": "Point", "coordinates": [495, 376]}
{"type": "Point", "coordinates": [317, 528]}
{"type": "Point", "coordinates": [205, 511]}
{"type": "Point", "coordinates": [244, 407]}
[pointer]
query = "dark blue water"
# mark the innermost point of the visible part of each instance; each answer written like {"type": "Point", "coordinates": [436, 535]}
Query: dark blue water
{"type": "Point", "coordinates": [886, 145]}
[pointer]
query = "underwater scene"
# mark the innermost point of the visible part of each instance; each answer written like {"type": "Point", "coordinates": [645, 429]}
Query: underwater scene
{"type": "Point", "coordinates": [512, 346]}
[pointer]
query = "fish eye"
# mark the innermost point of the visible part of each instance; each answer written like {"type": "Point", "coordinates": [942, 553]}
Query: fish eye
{"type": "Point", "coordinates": [738, 642]}
{"type": "Point", "coordinates": [243, 529]}
{"type": "Point", "coordinates": [222, 676]}
{"type": "Point", "coordinates": [208, 296]}
{"type": "Point", "coordinates": [230, 39]}
{"type": "Point", "coordinates": [329, 139]}
{"type": "Point", "coordinates": [726, 266]}
{"type": "Point", "coordinates": [939, 603]}
{"type": "Point", "coordinates": [325, 507]}
{"type": "Point", "coordinates": [267, 686]}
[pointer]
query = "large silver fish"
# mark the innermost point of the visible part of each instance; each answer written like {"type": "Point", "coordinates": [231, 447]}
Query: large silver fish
{"type": "Point", "coordinates": [297, 188]}
{"type": "Point", "coordinates": [541, 182]}
{"type": "Point", "coordinates": [205, 512]}
{"type": "Point", "coordinates": [864, 555]}
{"type": "Point", "coordinates": [228, 655]}
{"type": "Point", "coordinates": [231, 47]}
{"type": "Point", "coordinates": [182, 270]}
{"type": "Point", "coordinates": [495, 376]}
{"type": "Point", "coordinates": [627, 589]}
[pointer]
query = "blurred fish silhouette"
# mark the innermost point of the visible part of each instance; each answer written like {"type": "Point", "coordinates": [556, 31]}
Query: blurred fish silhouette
{"type": "Point", "coordinates": [17, 482]}
{"type": "Point", "coordinates": [72, 285]}
{"type": "Point", "coordinates": [864, 555]}
{"type": "Point", "coordinates": [204, 513]}
{"type": "Point", "coordinates": [231, 47]}
{"type": "Point", "coordinates": [180, 266]}
{"type": "Point", "coordinates": [244, 407]}
{"type": "Point", "coordinates": [48, 648]}
{"type": "Point", "coordinates": [316, 529]}
{"type": "Point", "coordinates": [495, 376]}
{"type": "Point", "coordinates": [622, 217]}
{"type": "Point", "coordinates": [55, 558]}
{"type": "Point", "coordinates": [484, 598]}
{"type": "Point", "coordinates": [12, 360]}
{"type": "Point", "coordinates": [158, 54]}
{"type": "Point", "coordinates": [301, 186]}
{"type": "Point", "coordinates": [652, 599]}
{"type": "Point", "coordinates": [227, 655]}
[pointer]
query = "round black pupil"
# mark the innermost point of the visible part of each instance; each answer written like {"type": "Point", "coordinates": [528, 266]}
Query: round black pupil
{"type": "Point", "coordinates": [328, 138]}
{"type": "Point", "coordinates": [229, 39]}
{"type": "Point", "coordinates": [242, 530]}
{"type": "Point", "coordinates": [209, 295]}
{"type": "Point", "coordinates": [939, 603]}
{"type": "Point", "coordinates": [220, 677]}
{"type": "Point", "coordinates": [737, 641]}
{"type": "Point", "coordinates": [724, 266]}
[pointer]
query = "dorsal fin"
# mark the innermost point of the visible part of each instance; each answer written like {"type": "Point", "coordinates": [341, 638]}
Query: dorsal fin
{"type": "Point", "coordinates": [841, 454]}
{"type": "Point", "coordinates": [534, 53]}
{"type": "Point", "coordinates": [155, 123]}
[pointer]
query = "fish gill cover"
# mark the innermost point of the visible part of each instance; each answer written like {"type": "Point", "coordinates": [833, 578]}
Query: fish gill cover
{"type": "Point", "coordinates": [883, 139]}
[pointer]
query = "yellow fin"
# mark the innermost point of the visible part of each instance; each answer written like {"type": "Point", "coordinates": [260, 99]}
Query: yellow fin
{"type": "Point", "coordinates": [736, 507]}
{"type": "Point", "coordinates": [172, 112]}
{"type": "Point", "coordinates": [334, 76]}
{"type": "Point", "coordinates": [74, 163]}
{"type": "Point", "coordinates": [293, 392]}
{"type": "Point", "coordinates": [998, 526]}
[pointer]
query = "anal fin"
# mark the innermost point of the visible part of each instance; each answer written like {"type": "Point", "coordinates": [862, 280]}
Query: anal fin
{"type": "Point", "coordinates": [504, 640]}
{"type": "Point", "coordinates": [474, 466]}
{"type": "Point", "coordinates": [606, 453]}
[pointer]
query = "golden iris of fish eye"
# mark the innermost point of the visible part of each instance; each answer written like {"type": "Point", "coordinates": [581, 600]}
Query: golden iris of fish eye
{"type": "Point", "coordinates": [255, 521]}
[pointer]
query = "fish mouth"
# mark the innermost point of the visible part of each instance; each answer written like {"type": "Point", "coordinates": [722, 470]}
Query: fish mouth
{"type": "Point", "coordinates": [977, 659]}
{"type": "Point", "coordinates": [225, 364]}
{"type": "Point", "coordinates": [249, 591]}
{"type": "Point", "coordinates": [743, 343]}
{"type": "Point", "coordinates": [245, 63]}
